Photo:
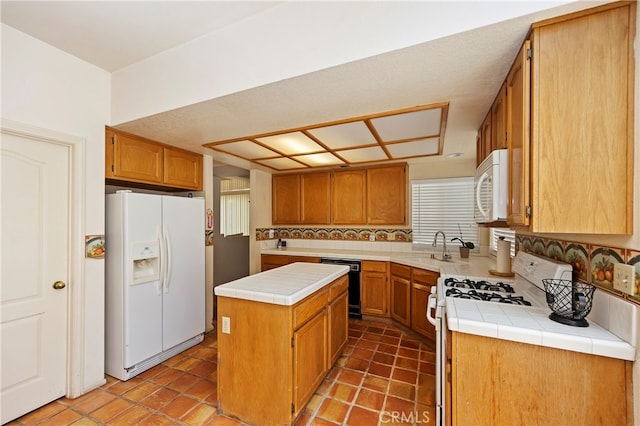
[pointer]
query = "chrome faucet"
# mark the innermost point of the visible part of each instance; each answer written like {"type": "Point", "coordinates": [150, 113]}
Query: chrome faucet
{"type": "Point", "coordinates": [445, 254]}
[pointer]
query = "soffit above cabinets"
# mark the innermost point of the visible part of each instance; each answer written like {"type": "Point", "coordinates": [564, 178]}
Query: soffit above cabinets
{"type": "Point", "coordinates": [390, 136]}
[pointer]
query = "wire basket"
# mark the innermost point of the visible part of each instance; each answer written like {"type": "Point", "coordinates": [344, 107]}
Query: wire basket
{"type": "Point", "coordinates": [569, 300]}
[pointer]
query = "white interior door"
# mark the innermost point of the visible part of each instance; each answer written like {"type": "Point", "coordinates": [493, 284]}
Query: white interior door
{"type": "Point", "coordinates": [34, 257]}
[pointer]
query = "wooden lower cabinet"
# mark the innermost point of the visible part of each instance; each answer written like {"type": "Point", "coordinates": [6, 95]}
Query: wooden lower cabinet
{"type": "Point", "coordinates": [338, 318]}
{"type": "Point", "coordinates": [270, 261]}
{"type": "Point", "coordinates": [274, 356]}
{"type": "Point", "coordinates": [421, 283]}
{"type": "Point", "coordinates": [506, 383]}
{"type": "Point", "coordinates": [400, 288]}
{"type": "Point", "coordinates": [374, 288]}
{"type": "Point", "coordinates": [309, 358]}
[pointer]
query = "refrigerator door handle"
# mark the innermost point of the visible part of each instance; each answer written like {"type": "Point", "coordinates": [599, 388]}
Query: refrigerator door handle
{"type": "Point", "coordinates": [161, 260]}
{"type": "Point", "coordinates": [167, 277]}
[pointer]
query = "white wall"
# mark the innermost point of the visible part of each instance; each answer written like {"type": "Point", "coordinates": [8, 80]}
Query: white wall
{"type": "Point", "coordinates": [47, 88]}
{"type": "Point", "coordinates": [290, 40]}
{"type": "Point", "coordinates": [259, 214]}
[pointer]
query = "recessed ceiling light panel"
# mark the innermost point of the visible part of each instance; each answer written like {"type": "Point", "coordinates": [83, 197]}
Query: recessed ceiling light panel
{"type": "Point", "coordinates": [361, 155]}
{"type": "Point", "coordinates": [414, 149]}
{"type": "Point", "coordinates": [319, 160]}
{"type": "Point", "coordinates": [409, 125]}
{"type": "Point", "coordinates": [282, 163]}
{"type": "Point", "coordinates": [295, 143]}
{"type": "Point", "coordinates": [247, 149]}
{"type": "Point", "coordinates": [344, 135]}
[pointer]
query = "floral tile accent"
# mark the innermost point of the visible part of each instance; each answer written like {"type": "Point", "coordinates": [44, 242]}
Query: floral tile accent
{"type": "Point", "coordinates": [538, 247]}
{"type": "Point", "coordinates": [525, 243]}
{"type": "Point", "coordinates": [399, 235]}
{"type": "Point", "coordinates": [633, 257]}
{"type": "Point", "coordinates": [601, 264]}
{"type": "Point", "coordinates": [576, 254]}
{"type": "Point", "coordinates": [554, 250]}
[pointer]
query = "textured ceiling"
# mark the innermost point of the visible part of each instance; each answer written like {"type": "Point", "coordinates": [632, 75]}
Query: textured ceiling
{"type": "Point", "coordinates": [464, 69]}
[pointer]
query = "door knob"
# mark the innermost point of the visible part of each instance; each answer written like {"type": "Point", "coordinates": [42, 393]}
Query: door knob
{"type": "Point", "coordinates": [59, 285]}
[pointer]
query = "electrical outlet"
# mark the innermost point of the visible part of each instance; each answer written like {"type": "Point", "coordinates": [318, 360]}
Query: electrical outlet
{"type": "Point", "coordinates": [272, 233]}
{"type": "Point", "coordinates": [372, 237]}
{"type": "Point", "coordinates": [391, 236]}
{"type": "Point", "coordinates": [226, 325]}
{"type": "Point", "coordinates": [623, 278]}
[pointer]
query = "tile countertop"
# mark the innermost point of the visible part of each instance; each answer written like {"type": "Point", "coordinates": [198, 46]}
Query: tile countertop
{"type": "Point", "coordinates": [286, 285]}
{"type": "Point", "coordinates": [475, 265]}
{"type": "Point", "coordinates": [501, 321]}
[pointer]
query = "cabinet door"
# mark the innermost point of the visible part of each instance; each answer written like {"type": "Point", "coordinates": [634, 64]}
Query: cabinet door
{"type": "Point", "coordinates": [486, 136]}
{"type": "Point", "coordinates": [338, 326]}
{"type": "Point", "coordinates": [518, 119]}
{"type": "Point", "coordinates": [374, 293]}
{"type": "Point", "coordinates": [386, 195]}
{"type": "Point", "coordinates": [309, 359]}
{"type": "Point", "coordinates": [349, 197]}
{"type": "Point", "coordinates": [316, 198]}
{"type": "Point", "coordinates": [270, 261]}
{"type": "Point", "coordinates": [421, 283]}
{"type": "Point", "coordinates": [182, 169]}
{"type": "Point", "coordinates": [374, 288]}
{"type": "Point", "coordinates": [400, 300]}
{"type": "Point", "coordinates": [499, 120]}
{"type": "Point", "coordinates": [419, 298]}
{"type": "Point", "coordinates": [136, 159]}
{"type": "Point", "coordinates": [286, 199]}
{"type": "Point", "coordinates": [582, 129]}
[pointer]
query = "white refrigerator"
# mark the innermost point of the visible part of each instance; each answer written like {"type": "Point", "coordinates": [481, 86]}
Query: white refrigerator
{"type": "Point", "coordinates": [154, 279]}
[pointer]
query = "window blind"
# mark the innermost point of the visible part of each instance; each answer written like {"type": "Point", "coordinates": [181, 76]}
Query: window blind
{"type": "Point", "coordinates": [443, 205]}
{"type": "Point", "coordinates": [234, 206]}
{"type": "Point", "coordinates": [508, 235]}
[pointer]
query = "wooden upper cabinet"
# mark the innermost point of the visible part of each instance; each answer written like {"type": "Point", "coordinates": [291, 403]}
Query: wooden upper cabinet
{"type": "Point", "coordinates": [386, 195]}
{"type": "Point", "coordinates": [363, 196]}
{"type": "Point", "coordinates": [315, 198]}
{"type": "Point", "coordinates": [182, 168]}
{"type": "Point", "coordinates": [499, 120]}
{"type": "Point", "coordinates": [133, 159]}
{"type": "Point", "coordinates": [518, 95]}
{"type": "Point", "coordinates": [286, 199]}
{"type": "Point", "coordinates": [582, 135]}
{"type": "Point", "coordinates": [349, 197]}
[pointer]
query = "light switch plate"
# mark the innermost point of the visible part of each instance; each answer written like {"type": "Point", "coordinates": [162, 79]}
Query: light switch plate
{"type": "Point", "coordinates": [226, 325]}
{"type": "Point", "coordinates": [623, 278]}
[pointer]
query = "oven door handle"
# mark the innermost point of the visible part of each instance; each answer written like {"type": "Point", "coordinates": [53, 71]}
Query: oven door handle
{"type": "Point", "coordinates": [431, 307]}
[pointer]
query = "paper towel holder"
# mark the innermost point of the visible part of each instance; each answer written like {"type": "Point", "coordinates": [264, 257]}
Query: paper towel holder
{"type": "Point", "coordinates": [502, 274]}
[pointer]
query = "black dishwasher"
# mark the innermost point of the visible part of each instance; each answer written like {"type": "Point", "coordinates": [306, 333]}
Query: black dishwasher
{"type": "Point", "coordinates": [354, 283]}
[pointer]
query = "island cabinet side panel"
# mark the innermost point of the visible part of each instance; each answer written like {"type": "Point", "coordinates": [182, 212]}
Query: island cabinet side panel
{"type": "Point", "coordinates": [254, 361]}
{"type": "Point", "coordinates": [530, 384]}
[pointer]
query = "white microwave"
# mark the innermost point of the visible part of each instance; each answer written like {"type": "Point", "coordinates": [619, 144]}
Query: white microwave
{"type": "Point", "coordinates": [490, 188]}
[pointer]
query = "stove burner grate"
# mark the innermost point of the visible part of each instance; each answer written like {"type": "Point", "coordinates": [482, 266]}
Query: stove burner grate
{"type": "Point", "coordinates": [478, 285]}
{"type": "Point", "coordinates": [488, 297]}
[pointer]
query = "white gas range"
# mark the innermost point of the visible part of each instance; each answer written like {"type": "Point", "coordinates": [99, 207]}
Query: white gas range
{"type": "Point", "coordinates": [524, 290]}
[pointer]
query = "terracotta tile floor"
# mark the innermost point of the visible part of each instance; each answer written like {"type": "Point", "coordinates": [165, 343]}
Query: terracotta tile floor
{"type": "Point", "coordinates": [384, 376]}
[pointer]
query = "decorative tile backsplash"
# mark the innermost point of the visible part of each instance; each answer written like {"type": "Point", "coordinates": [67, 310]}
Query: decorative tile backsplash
{"type": "Point", "coordinates": [348, 234]}
{"type": "Point", "coordinates": [591, 263]}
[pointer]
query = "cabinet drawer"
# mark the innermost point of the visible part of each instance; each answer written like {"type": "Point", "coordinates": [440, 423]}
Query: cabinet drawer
{"type": "Point", "coordinates": [308, 259]}
{"type": "Point", "coordinates": [338, 286]}
{"type": "Point", "coordinates": [401, 271]}
{"type": "Point", "coordinates": [373, 266]}
{"type": "Point", "coordinates": [306, 309]}
{"type": "Point", "coordinates": [425, 277]}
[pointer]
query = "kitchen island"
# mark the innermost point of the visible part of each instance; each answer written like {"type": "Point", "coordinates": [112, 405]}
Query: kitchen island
{"type": "Point", "coordinates": [279, 333]}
